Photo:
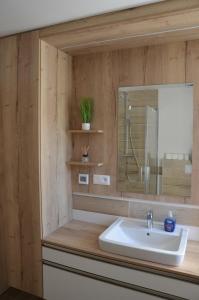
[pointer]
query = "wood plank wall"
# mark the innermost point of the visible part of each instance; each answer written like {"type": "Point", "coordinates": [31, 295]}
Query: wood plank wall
{"type": "Point", "coordinates": [8, 99]}
{"type": "Point", "coordinates": [20, 202]}
{"type": "Point", "coordinates": [99, 75]}
{"type": "Point", "coordinates": [56, 87]}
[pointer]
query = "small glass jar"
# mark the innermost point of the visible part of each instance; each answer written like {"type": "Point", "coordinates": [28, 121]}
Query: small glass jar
{"type": "Point", "coordinates": [85, 158]}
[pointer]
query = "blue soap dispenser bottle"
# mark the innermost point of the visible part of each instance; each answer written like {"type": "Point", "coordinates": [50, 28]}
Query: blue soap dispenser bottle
{"type": "Point", "coordinates": [170, 222]}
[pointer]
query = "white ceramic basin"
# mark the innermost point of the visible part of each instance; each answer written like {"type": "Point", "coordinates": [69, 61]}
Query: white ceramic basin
{"type": "Point", "coordinates": [132, 238]}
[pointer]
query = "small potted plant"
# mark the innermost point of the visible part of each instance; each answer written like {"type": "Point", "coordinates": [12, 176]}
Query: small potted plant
{"type": "Point", "coordinates": [86, 109]}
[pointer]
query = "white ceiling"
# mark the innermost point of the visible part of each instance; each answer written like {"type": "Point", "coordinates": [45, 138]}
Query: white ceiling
{"type": "Point", "coordinates": [22, 15]}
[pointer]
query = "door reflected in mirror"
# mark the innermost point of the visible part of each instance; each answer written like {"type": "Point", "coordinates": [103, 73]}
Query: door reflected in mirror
{"type": "Point", "coordinates": [155, 129]}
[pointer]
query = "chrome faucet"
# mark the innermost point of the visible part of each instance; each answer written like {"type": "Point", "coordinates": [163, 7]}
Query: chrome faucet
{"type": "Point", "coordinates": [149, 218]}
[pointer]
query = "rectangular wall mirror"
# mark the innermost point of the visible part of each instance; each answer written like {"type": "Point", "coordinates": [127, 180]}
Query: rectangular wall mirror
{"type": "Point", "coordinates": [155, 129]}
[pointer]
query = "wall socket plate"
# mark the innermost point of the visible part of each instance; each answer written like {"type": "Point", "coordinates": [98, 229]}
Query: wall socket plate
{"type": "Point", "coordinates": [83, 179]}
{"type": "Point", "coordinates": [101, 179]}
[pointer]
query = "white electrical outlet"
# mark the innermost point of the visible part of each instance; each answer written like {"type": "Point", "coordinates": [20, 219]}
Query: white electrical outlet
{"type": "Point", "coordinates": [83, 179]}
{"type": "Point", "coordinates": [101, 179]}
{"type": "Point", "coordinates": [188, 169]}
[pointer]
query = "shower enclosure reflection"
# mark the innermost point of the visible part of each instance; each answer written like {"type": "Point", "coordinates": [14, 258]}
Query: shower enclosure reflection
{"type": "Point", "coordinates": [155, 139]}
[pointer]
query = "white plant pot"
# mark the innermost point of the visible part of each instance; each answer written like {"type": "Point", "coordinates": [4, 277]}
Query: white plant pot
{"type": "Point", "coordinates": [86, 126]}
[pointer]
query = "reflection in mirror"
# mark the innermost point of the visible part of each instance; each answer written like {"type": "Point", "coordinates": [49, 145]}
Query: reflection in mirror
{"type": "Point", "coordinates": [155, 125]}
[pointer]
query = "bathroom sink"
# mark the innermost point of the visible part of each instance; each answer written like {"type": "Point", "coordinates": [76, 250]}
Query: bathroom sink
{"type": "Point", "coordinates": [132, 238]}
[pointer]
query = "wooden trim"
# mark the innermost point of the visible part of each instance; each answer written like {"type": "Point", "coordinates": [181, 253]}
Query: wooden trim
{"type": "Point", "coordinates": [55, 144]}
{"type": "Point", "coordinates": [122, 263]}
{"type": "Point", "coordinates": [75, 131]}
{"type": "Point", "coordinates": [138, 13]}
{"type": "Point", "coordinates": [161, 19]}
{"type": "Point", "coordinates": [84, 164]}
{"type": "Point", "coordinates": [135, 41]}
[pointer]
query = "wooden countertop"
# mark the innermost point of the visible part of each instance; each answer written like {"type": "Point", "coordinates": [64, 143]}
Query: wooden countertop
{"type": "Point", "coordinates": [81, 238]}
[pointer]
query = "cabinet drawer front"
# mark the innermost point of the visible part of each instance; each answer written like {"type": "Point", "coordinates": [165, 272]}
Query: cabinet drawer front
{"type": "Point", "coordinates": [76, 287]}
{"type": "Point", "coordinates": [171, 286]}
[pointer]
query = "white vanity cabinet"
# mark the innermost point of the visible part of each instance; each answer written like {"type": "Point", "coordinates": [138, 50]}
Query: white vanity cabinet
{"type": "Point", "coordinates": [62, 285]}
{"type": "Point", "coordinates": [74, 277]}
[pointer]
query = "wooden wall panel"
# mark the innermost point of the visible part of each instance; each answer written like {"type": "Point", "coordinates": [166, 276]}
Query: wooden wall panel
{"type": "Point", "coordinates": [130, 65]}
{"type": "Point", "coordinates": [64, 98]}
{"type": "Point", "coordinates": [93, 76]}
{"type": "Point", "coordinates": [56, 91]}
{"type": "Point", "coordinates": [99, 75]}
{"type": "Point", "coordinates": [28, 163]}
{"type": "Point", "coordinates": [165, 64]}
{"type": "Point", "coordinates": [20, 201]}
{"type": "Point", "coordinates": [99, 205]}
{"type": "Point", "coordinates": [9, 159]}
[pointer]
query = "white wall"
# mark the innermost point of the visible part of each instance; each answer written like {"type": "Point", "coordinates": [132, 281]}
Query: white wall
{"type": "Point", "coordinates": [175, 104]}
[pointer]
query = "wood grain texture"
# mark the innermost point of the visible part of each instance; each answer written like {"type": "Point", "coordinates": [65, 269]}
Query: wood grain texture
{"type": "Point", "coordinates": [19, 81]}
{"type": "Point", "coordinates": [135, 208]}
{"type": "Point", "coordinates": [135, 41]}
{"type": "Point", "coordinates": [104, 206]}
{"type": "Point", "coordinates": [93, 76]}
{"type": "Point", "coordinates": [105, 33]}
{"type": "Point", "coordinates": [8, 157]}
{"type": "Point", "coordinates": [99, 75]}
{"type": "Point", "coordinates": [85, 164]}
{"type": "Point", "coordinates": [162, 19]}
{"type": "Point", "coordinates": [28, 164]}
{"type": "Point", "coordinates": [174, 179]}
{"type": "Point", "coordinates": [120, 16]}
{"type": "Point", "coordinates": [56, 68]}
{"type": "Point", "coordinates": [82, 237]}
{"type": "Point", "coordinates": [91, 131]}
{"type": "Point", "coordinates": [165, 64]}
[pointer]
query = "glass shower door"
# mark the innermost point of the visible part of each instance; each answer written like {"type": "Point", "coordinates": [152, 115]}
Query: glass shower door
{"type": "Point", "coordinates": [151, 150]}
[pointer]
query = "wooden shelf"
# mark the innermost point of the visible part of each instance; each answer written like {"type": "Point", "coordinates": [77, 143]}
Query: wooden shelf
{"type": "Point", "coordinates": [82, 164]}
{"type": "Point", "coordinates": [86, 131]}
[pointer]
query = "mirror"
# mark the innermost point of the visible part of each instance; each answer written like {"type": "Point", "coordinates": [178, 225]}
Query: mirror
{"type": "Point", "coordinates": [155, 128]}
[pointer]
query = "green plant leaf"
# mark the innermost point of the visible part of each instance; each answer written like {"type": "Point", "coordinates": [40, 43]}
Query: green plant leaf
{"type": "Point", "coordinates": [86, 109]}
